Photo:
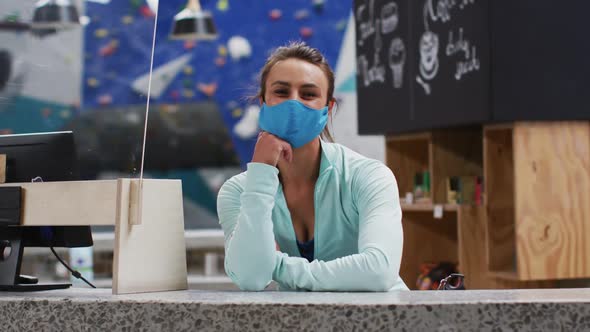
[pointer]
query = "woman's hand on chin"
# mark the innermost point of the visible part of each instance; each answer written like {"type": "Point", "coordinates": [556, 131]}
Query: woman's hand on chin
{"type": "Point", "coordinates": [269, 149]}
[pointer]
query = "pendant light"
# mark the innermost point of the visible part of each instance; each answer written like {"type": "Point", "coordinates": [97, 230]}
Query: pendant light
{"type": "Point", "coordinates": [193, 23]}
{"type": "Point", "coordinates": [55, 14]}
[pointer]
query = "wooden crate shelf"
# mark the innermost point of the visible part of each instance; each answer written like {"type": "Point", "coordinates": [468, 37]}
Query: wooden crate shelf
{"type": "Point", "coordinates": [538, 199]}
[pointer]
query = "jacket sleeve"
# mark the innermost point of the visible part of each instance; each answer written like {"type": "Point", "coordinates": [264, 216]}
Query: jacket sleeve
{"type": "Point", "coordinates": [245, 217]}
{"type": "Point", "coordinates": [380, 242]}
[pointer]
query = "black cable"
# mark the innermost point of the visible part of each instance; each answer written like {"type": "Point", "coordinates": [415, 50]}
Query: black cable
{"type": "Point", "coordinates": [74, 272]}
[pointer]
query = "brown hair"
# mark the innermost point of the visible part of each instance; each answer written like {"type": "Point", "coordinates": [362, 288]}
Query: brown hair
{"type": "Point", "coordinates": [299, 50]}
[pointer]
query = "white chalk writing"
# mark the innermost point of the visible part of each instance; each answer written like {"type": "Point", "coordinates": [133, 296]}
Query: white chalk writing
{"type": "Point", "coordinates": [366, 28]}
{"type": "Point", "coordinates": [469, 62]}
{"type": "Point", "coordinates": [442, 10]}
{"type": "Point", "coordinates": [456, 46]}
{"type": "Point", "coordinates": [389, 17]}
{"type": "Point", "coordinates": [375, 73]}
{"type": "Point", "coordinates": [424, 85]}
{"type": "Point", "coordinates": [467, 66]}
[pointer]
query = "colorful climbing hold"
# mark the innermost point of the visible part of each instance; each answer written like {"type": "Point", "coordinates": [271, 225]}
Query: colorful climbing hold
{"type": "Point", "coordinates": [136, 3]}
{"type": "Point", "coordinates": [105, 99]}
{"type": "Point", "coordinates": [222, 50]}
{"type": "Point", "coordinates": [275, 14]}
{"type": "Point", "coordinates": [318, 5]}
{"type": "Point", "coordinates": [146, 11]}
{"type": "Point", "coordinates": [101, 33]}
{"type": "Point", "coordinates": [189, 44]}
{"type": "Point", "coordinates": [236, 113]}
{"type": "Point", "coordinates": [239, 47]}
{"type": "Point", "coordinates": [127, 19]}
{"type": "Point", "coordinates": [207, 89]}
{"type": "Point", "coordinates": [109, 49]}
{"type": "Point", "coordinates": [174, 94]}
{"type": "Point", "coordinates": [301, 14]}
{"type": "Point", "coordinates": [220, 62]}
{"type": "Point", "coordinates": [92, 82]}
{"type": "Point", "coordinates": [306, 32]}
{"type": "Point", "coordinates": [188, 70]}
{"type": "Point", "coordinates": [187, 93]}
{"type": "Point", "coordinates": [222, 5]}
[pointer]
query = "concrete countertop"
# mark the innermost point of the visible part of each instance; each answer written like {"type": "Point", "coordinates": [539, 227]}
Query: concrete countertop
{"type": "Point", "coordinates": [79, 309]}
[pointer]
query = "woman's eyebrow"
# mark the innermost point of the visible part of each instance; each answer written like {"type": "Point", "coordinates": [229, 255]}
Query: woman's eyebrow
{"type": "Point", "coordinates": [309, 85]}
{"type": "Point", "coordinates": [287, 84]}
{"type": "Point", "coordinates": [281, 83]}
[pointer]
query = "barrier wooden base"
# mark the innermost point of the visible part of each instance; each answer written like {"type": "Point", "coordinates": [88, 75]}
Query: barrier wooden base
{"type": "Point", "coordinates": [149, 251]}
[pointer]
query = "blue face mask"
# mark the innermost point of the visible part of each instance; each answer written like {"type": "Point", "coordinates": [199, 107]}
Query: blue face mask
{"type": "Point", "coordinates": [293, 122]}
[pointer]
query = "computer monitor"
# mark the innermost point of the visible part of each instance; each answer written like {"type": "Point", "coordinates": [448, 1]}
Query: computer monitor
{"type": "Point", "coordinates": [40, 157]}
{"type": "Point", "coordinates": [50, 157]}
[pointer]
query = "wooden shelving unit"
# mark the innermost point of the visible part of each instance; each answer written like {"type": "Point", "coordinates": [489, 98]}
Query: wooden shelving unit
{"type": "Point", "coordinates": [426, 238]}
{"type": "Point", "coordinates": [535, 220]}
{"type": "Point", "coordinates": [443, 153]}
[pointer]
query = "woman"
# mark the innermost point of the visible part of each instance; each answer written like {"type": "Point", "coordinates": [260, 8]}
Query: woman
{"type": "Point", "coordinates": [309, 214]}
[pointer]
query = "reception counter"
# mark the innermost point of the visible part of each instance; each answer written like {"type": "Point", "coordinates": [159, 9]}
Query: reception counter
{"type": "Point", "coordinates": [81, 309]}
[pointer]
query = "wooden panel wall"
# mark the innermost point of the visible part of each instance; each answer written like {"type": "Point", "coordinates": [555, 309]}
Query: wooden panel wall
{"type": "Point", "coordinates": [552, 163]}
{"type": "Point", "coordinates": [499, 198]}
{"type": "Point", "coordinates": [472, 252]}
{"type": "Point", "coordinates": [472, 246]}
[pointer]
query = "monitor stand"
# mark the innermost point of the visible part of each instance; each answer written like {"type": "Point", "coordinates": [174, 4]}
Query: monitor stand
{"type": "Point", "coordinates": [32, 288]}
{"type": "Point", "coordinates": [11, 254]}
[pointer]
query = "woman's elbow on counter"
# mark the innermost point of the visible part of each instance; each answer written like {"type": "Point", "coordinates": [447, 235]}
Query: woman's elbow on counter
{"type": "Point", "coordinates": [255, 284]}
{"type": "Point", "coordinates": [383, 276]}
{"type": "Point", "coordinates": [382, 280]}
{"type": "Point", "coordinates": [251, 281]}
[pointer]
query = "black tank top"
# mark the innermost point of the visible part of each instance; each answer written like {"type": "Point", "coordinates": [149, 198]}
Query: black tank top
{"type": "Point", "coordinates": [306, 249]}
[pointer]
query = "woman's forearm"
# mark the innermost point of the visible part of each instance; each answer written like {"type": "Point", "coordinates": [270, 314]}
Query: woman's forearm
{"type": "Point", "coordinates": [246, 219]}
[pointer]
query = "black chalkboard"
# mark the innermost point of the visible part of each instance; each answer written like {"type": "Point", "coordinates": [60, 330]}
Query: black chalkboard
{"type": "Point", "coordinates": [441, 80]}
{"type": "Point", "coordinates": [541, 66]}
{"type": "Point", "coordinates": [452, 86]}
{"type": "Point", "coordinates": [383, 70]}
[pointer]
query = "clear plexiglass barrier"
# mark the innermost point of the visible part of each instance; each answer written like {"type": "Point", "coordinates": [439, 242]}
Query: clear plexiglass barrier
{"type": "Point", "coordinates": [193, 109]}
{"type": "Point", "coordinates": [72, 95]}
{"type": "Point", "coordinates": [78, 66]}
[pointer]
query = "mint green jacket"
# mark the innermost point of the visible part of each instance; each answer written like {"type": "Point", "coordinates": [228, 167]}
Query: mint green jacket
{"type": "Point", "coordinates": [358, 235]}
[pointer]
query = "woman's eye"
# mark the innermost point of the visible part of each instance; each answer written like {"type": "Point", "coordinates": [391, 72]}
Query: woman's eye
{"type": "Point", "coordinates": [309, 95]}
{"type": "Point", "coordinates": [281, 92]}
